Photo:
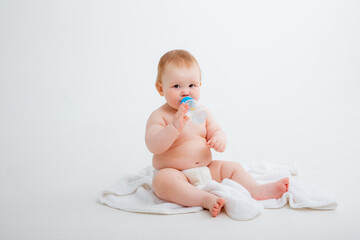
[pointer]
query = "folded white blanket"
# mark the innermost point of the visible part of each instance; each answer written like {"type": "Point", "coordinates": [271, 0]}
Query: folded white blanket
{"type": "Point", "coordinates": [134, 193]}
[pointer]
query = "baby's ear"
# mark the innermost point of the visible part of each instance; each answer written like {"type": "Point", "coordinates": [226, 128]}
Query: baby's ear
{"type": "Point", "coordinates": [159, 88]}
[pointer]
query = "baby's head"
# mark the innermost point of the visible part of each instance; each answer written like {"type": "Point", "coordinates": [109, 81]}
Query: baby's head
{"type": "Point", "coordinates": [178, 76]}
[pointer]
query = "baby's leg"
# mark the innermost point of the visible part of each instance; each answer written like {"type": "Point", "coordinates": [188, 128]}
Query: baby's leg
{"type": "Point", "coordinates": [172, 185]}
{"type": "Point", "coordinates": [234, 171]}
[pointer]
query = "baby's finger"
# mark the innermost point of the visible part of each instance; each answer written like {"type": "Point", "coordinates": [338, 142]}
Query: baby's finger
{"type": "Point", "coordinates": [181, 110]}
{"type": "Point", "coordinates": [221, 148]}
{"type": "Point", "coordinates": [184, 108]}
{"type": "Point", "coordinates": [187, 106]}
{"type": "Point", "coordinates": [213, 143]}
{"type": "Point", "coordinates": [217, 146]}
{"type": "Point", "coordinates": [181, 107]}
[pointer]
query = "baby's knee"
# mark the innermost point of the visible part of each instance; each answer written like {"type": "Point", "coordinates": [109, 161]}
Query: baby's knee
{"type": "Point", "coordinates": [229, 168]}
{"type": "Point", "coordinates": [231, 165]}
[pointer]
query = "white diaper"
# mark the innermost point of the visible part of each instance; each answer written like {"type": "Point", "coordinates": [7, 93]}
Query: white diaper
{"type": "Point", "coordinates": [198, 175]}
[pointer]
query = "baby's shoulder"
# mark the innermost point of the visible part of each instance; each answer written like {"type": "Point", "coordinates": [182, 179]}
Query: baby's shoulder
{"type": "Point", "coordinates": [206, 109]}
{"type": "Point", "coordinates": [160, 111]}
{"type": "Point", "coordinates": [159, 115]}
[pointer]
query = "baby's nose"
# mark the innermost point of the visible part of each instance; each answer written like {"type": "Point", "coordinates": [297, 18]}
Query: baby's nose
{"type": "Point", "coordinates": [185, 93]}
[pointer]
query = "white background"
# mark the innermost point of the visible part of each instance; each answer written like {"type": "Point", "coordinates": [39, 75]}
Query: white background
{"type": "Point", "coordinates": [77, 86]}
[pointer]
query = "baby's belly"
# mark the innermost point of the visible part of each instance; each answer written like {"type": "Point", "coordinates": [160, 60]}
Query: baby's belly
{"type": "Point", "coordinates": [183, 156]}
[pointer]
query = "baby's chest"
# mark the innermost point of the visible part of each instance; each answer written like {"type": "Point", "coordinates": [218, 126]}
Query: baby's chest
{"type": "Point", "coordinates": [191, 129]}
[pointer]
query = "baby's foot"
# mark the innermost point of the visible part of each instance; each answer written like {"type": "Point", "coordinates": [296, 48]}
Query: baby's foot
{"type": "Point", "coordinates": [271, 190]}
{"type": "Point", "coordinates": [214, 204]}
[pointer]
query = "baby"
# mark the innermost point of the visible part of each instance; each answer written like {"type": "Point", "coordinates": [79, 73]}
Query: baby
{"type": "Point", "coordinates": [179, 144]}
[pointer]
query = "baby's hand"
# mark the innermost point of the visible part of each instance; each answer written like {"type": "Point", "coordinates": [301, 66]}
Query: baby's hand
{"type": "Point", "coordinates": [218, 143]}
{"type": "Point", "coordinates": [181, 117]}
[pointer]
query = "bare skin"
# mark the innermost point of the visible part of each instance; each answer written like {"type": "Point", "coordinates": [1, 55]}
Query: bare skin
{"type": "Point", "coordinates": [179, 144]}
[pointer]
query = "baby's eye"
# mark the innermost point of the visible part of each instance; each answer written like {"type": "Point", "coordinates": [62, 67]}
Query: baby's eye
{"type": "Point", "coordinates": [192, 85]}
{"type": "Point", "coordinates": [176, 86]}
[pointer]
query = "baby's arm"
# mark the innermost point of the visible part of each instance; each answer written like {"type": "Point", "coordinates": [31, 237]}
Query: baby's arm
{"type": "Point", "coordinates": [215, 136]}
{"type": "Point", "coordinates": [159, 137]}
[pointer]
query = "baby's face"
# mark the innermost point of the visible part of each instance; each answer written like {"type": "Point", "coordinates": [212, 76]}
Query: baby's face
{"type": "Point", "coordinates": [180, 82]}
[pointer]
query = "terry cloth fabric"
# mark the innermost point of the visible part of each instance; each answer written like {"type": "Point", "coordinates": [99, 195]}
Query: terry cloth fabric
{"type": "Point", "coordinates": [134, 193]}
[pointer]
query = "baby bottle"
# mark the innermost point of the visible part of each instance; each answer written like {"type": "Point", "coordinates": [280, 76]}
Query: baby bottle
{"type": "Point", "coordinates": [196, 113]}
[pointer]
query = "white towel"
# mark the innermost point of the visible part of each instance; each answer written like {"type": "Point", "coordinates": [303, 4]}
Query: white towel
{"type": "Point", "coordinates": [134, 193]}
